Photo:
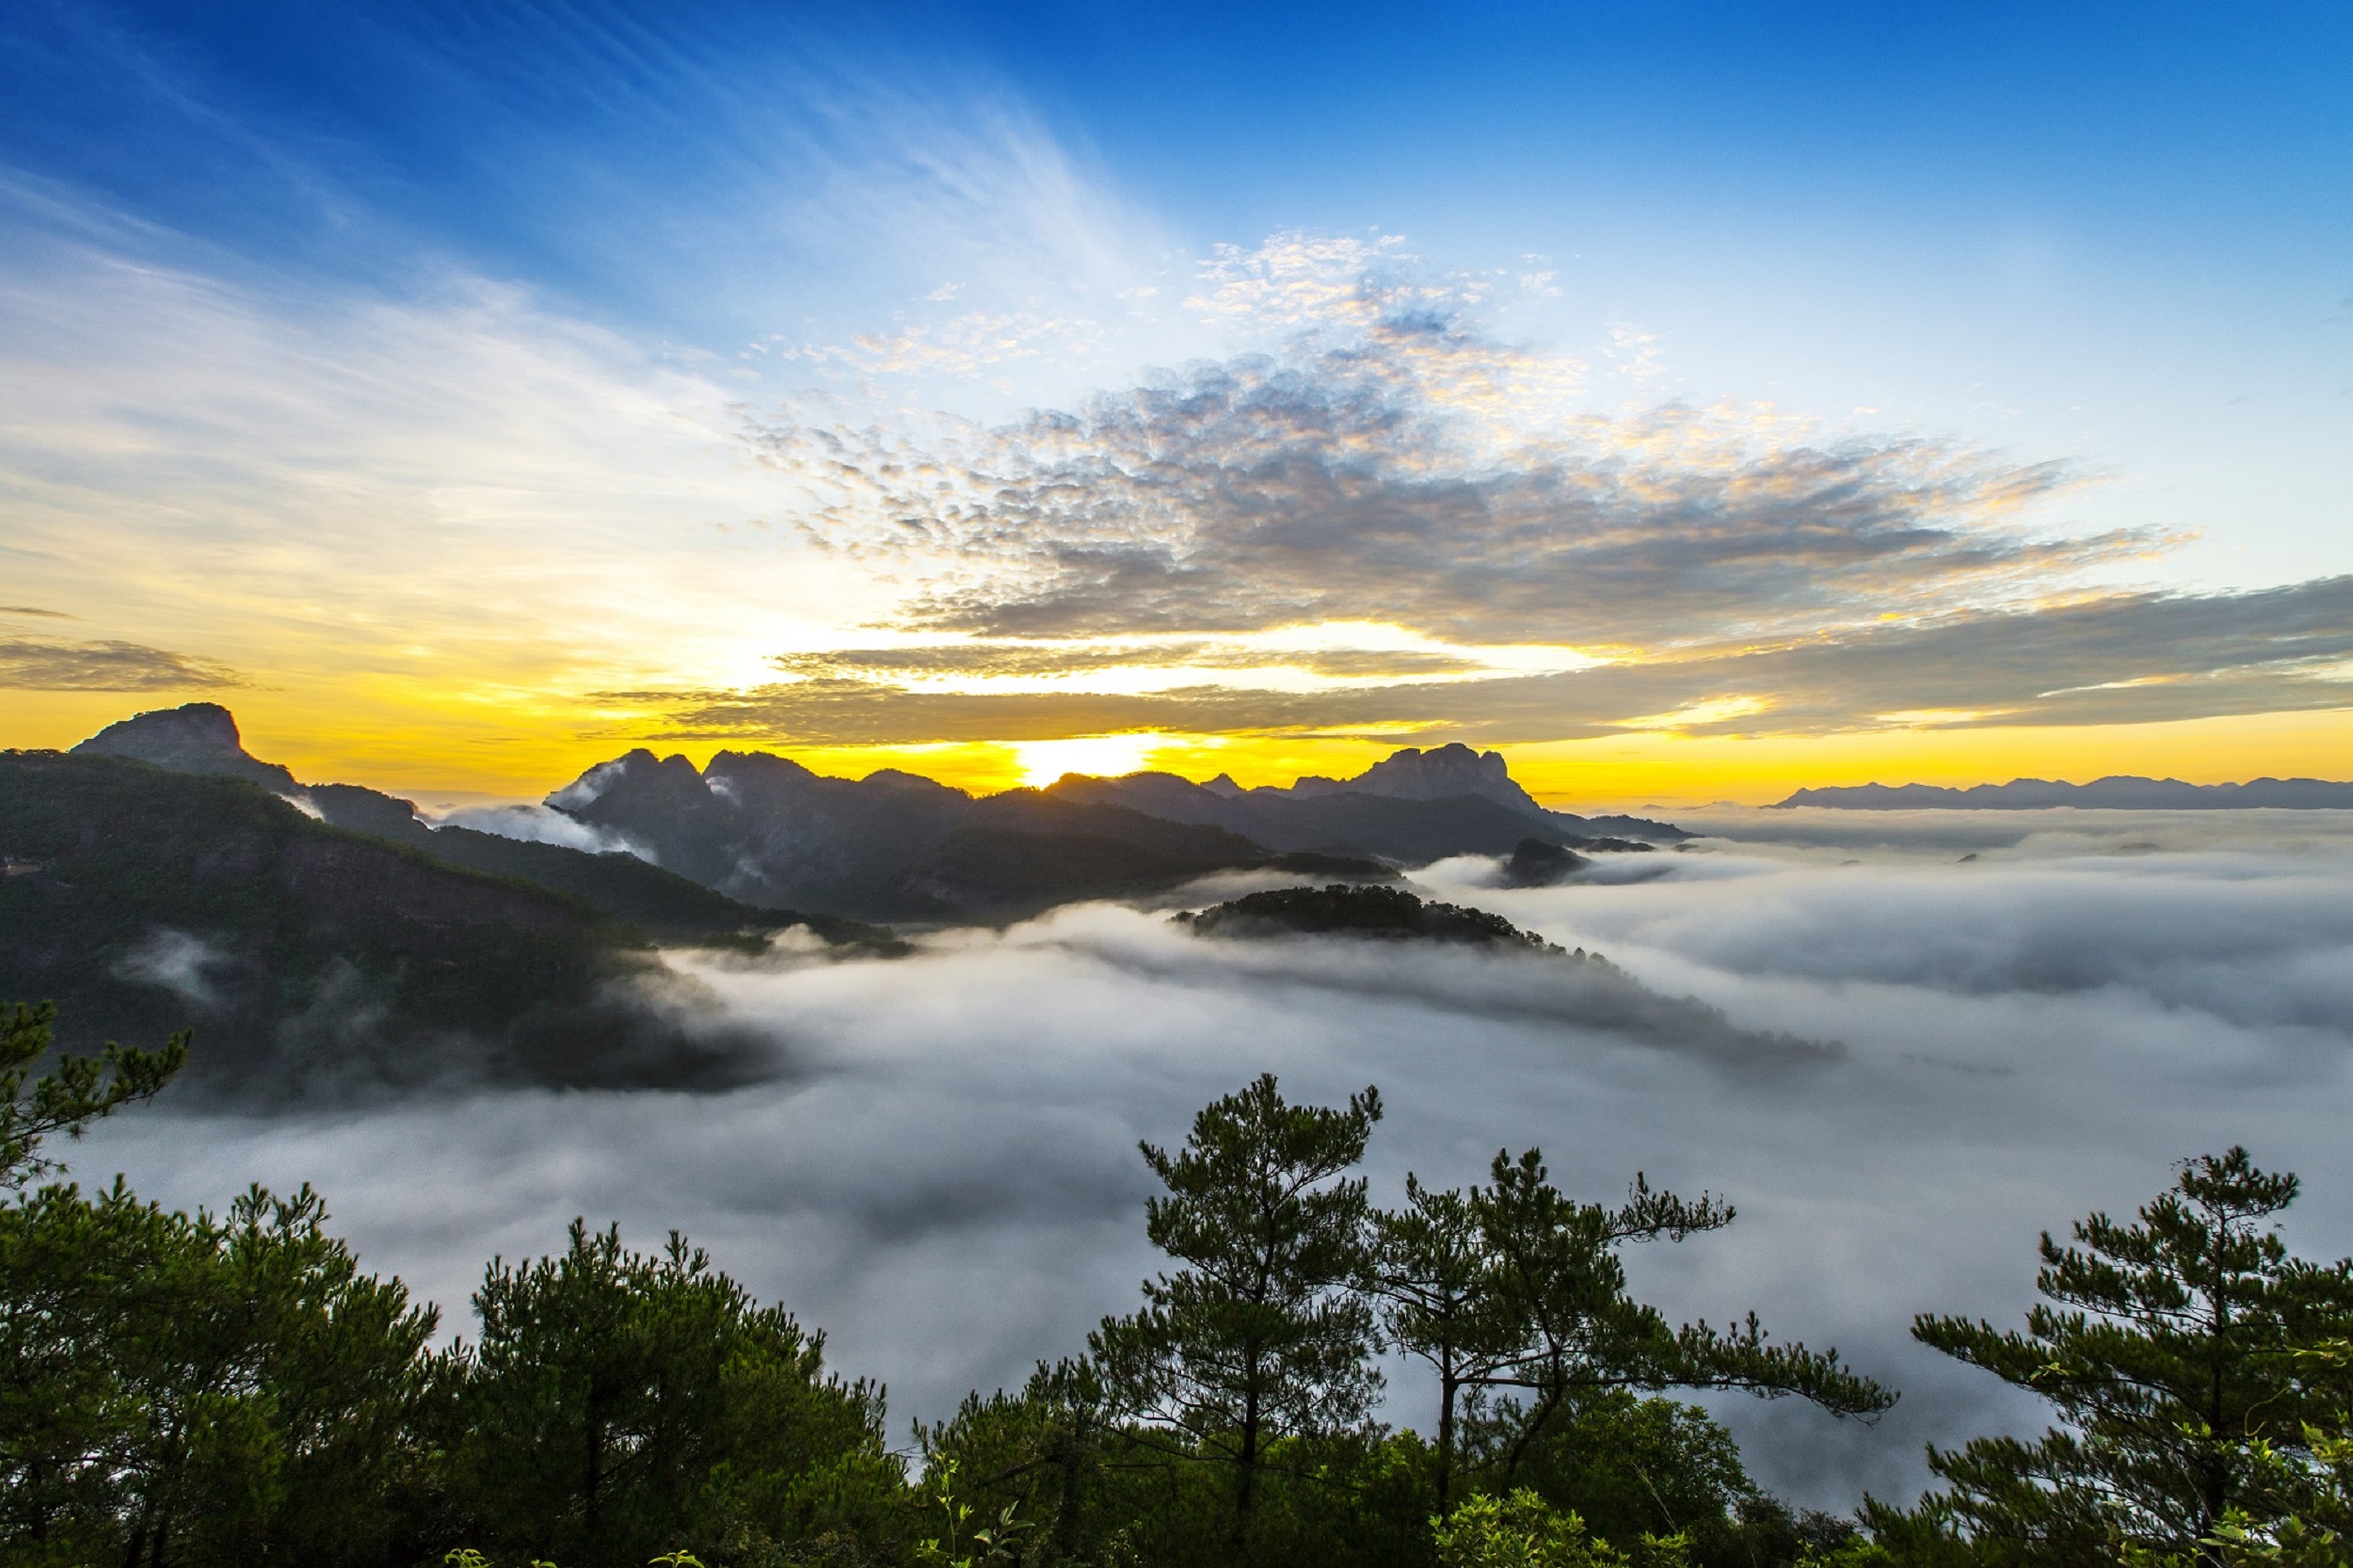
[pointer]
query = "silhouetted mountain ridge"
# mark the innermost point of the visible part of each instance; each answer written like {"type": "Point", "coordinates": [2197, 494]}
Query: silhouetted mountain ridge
{"type": "Point", "coordinates": [753, 840]}
{"type": "Point", "coordinates": [202, 737]}
{"type": "Point", "coordinates": [1412, 831]}
{"type": "Point", "coordinates": [198, 737]}
{"type": "Point", "coordinates": [896, 846]}
{"type": "Point", "coordinates": [1451, 772]}
{"type": "Point", "coordinates": [309, 958]}
{"type": "Point", "coordinates": [665, 906]}
{"type": "Point", "coordinates": [2119, 792]}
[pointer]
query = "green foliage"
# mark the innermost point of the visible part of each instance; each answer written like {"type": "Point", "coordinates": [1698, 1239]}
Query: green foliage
{"type": "Point", "coordinates": [1261, 1336]}
{"type": "Point", "coordinates": [364, 952]}
{"type": "Point", "coordinates": [1519, 1530]}
{"type": "Point", "coordinates": [1043, 1453]}
{"type": "Point", "coordinates": [1652, 1470]}
{"type": "Point", "coordinates": [1101, 1490]}
{"type": "Point", "coordinates": [2179, 1356]}
{"type": "Point", "coordinates": [962, 1543]}
{"type": "Point", "coordinates": [1343, 909]}
{"type": "Point", "coordinates": [1515, 1286]}
{"type": "Point", "coordinates": [198, 1390]}
{"type": "Point", "coordinates": [76, 1091]}
{"type": "Point", "coordinates": [617, 1405]}
{"type": "Point", "coordinates": [1443, 1300]}
{"type": "Point", "coordinates": [1629, 1465]}
{"type": "Point", "coordinates": [191, 1390]}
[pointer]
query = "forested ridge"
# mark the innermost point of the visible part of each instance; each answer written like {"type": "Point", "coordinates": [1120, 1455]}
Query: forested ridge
{"type": "Point", "coordinates": [198, 1389]}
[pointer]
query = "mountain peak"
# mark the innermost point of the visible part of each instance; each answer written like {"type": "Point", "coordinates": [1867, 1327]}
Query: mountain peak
{"type": "Point", "coordinates": [198, 737]}
{"type": "Point", "coordinates": [1452, 769]}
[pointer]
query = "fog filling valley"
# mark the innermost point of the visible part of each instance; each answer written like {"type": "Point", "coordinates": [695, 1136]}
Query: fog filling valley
{"type": "Point", "coordinates": [941, 1169]}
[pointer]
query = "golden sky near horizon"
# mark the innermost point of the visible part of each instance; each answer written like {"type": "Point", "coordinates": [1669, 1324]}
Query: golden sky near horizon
{"type": "Point", "coordinates": [438, 762]}
{"type": "Point", "coordinates": [469, 546]}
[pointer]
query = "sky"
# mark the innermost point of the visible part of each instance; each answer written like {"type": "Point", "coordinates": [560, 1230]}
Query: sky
{"type": "Point", "coordinates": [1693, 402]}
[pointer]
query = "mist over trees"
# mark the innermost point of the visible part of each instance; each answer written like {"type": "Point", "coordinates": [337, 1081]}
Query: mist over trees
{"type": "Point", "coordinates": [192, 1389]}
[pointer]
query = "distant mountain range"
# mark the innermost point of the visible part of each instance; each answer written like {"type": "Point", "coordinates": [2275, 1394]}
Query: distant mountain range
{"type": "Point", "coordinates": [722, 846]}
{"type": "Point", "coordinates": [202, 737]}
{"type": "Point", "coordinates": [2120, 791]}
{"type": "Point", "coordinates": [1400, 815]}
{"type": "Point", "coordinates": [895, 846]}
{"type": "Point", "coordinates": [159, 876]}
{"type": "Point", "coordinates": [307, 959]}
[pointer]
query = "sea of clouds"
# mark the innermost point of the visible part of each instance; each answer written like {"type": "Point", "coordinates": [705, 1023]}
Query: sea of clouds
{"type": "Point", "coordinates": [2017, 1018]}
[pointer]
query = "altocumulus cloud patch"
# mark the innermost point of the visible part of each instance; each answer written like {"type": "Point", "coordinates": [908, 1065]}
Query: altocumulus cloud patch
{"type": "Point", "coordinates": [1389, 459]}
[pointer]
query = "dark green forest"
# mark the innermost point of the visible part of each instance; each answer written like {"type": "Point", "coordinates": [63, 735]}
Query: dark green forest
{"type": "Point", "coordinates": [197, 1389]}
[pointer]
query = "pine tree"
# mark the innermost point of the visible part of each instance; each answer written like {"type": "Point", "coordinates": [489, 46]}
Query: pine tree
{"type": "Point", "coordinates": [1554, 1278]}
{"type": "Point", "coordinates": [200, 1390]}
{"type": "Point", "coordinates": [77, 1090]}
{"type": "Point", "coordinates": [1438, 1281]}
{"type": "Point", "coordinates": [1263, 1334]}
{"type": "Point", "coordinates": [2174, 1350]}
{"type": "Point", "coordinates": [620, 1405]}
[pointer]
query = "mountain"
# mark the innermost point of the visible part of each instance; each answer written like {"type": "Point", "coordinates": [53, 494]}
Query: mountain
{"type": "Point", "coordinates": [308, 958]}
{"type": "Point", "coordinates": [1345, 911]}
{"type": "Point", "coordinates": [1537, 864]}
{"type": "Point", "coordinates": [201, 737]}
{"type": "Point", "coordinates": [1412, 829]}
{"type": "Point", "coordinates": [748, 843]}
{"type": "Point", "coordinates": [1418, 958]}
{"type": "Point", "coordinates": [1414, 773]}
{"type": "Point", "coordinates": [665, 906]}
{"type": "Point", "coordinates": [894, 846]}
{"type": "Point", "coordinates": [2120, 791]}
{"type": "Point", "coordinates": [1408, 831]}
{"type": "Point", "coordinates": [1446, 773]}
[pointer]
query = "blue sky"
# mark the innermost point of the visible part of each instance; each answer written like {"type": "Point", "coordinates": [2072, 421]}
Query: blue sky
{"type": "Point", "coordinates": [2114, 239]}
{"type": "Point", "coordinates": [2129, 224]}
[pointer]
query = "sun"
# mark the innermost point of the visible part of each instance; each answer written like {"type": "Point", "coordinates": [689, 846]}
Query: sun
{"type": "Point", "coordinates": [1105, 756]}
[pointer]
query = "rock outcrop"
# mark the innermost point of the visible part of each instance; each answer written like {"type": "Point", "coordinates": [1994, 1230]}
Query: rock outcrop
{"type": "Point", "coordinates": [201, 737]}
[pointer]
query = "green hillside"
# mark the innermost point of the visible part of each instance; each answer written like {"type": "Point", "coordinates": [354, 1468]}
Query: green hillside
{"type": "Point", "coordinates": [143, 901]}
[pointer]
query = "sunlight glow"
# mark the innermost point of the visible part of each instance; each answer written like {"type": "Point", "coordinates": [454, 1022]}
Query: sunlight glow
{"type": "Point", "coordinates": [1105, 756]}
{"type": "Point", "coordinates": [1714, 709]}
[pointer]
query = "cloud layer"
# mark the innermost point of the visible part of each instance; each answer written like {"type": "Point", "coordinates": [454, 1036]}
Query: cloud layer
{"type": "Point", "coordinates": [2115, 659]}
{"type": "Point", "coordinates": [35, 663]}
{"type": "Point", "coordinates": [1384, 458]}
{"type": "Point", "coordinates": [1401, 474]}
{"type": "Point", "coordinates": [1371, 514]}
{"type": "Point", "coordinates": [941, 1168]}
